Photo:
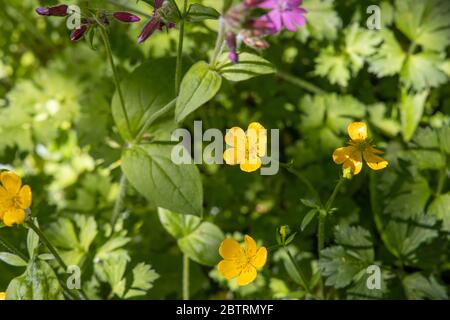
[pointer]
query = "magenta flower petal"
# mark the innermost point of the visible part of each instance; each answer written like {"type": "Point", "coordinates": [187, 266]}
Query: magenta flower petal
{"type": "Point", "coordinates": [126, 17]}
{"type": "Point", "coordinates": [292, 20]}
{"type": "Point", "coordinates": [77, 34]}
{"type": "Point", "coordinates": [58, 11]}
{"type": "Point", "coordinates": [148, 30]}
{"type": "Point", "coordinates": [158, 4]}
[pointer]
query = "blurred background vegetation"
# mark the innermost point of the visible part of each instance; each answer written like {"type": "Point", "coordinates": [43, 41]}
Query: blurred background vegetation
{"type": "Point", "coordinates": [57, 132]}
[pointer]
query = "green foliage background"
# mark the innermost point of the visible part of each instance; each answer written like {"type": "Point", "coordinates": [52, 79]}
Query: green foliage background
{"type": "Point", "coordinates": [57, 131]}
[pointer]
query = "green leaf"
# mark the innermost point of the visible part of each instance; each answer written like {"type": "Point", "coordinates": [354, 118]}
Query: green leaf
{"type": "Point", "coordinates": [389, 58]}
{"type": "Point", "coordinates": [308, 218]}
{"type": "Point", "coordinates": [324, 119]}
{"type": "Point", "coordinates": [440, 207]}
{"type": "Point", "coordinates": [444, 139]}
{"type": "Point", "coordinates": [146, 90]}
{"type": "Point", "coordinates": [152, 172]}
{"type": "Point", "coordinates": [323, 21]}
{"type": "Point", "coordinates": [426, 23]}
{"type": "Point", "coordinates": [178, 225]}
{"type": "Point", "coordinates": [39, 282]}
{"type": "Point", "coordinates": [406, 235]}
{"type": "Point", "coordinates": [411, 110]}
{"type": "Point", "coordinates": [199, 240]}
{"type": "Point", "coordinates": [417, 286]}
{"type": "Point", "coordinates": [143, 278]}
{"type": "Point", "coordinates": [381, 120]}
{"type": "Point", "coordinates": [199, 85]}
{"type": "Point", "coordinates": [339, 65]}
{"type": "Point", "coordinates": [423, 71]}
{"type": "Point", "coordinates": [202, 245]}
{"type": "Point", "coordinates": [333, 66]}
{"type": "Point", "coordinates": [338, 267]}
{"type": "Point", "coordinates": [249, 66]}
{"type": "Point", "coordinates": [198, 12]}
{"type": "Point", "coordinates": [12, 259]}
{"type": "Point", "coordinates": [357, 242]}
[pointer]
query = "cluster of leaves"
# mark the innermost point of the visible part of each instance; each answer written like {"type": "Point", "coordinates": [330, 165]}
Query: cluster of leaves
{"type": "Point", "coordinates": [62, 127]}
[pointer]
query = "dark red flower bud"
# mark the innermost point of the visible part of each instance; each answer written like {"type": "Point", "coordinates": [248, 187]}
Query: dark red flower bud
{"type": "Point", "coordinates": [148, 30]}
{"type": "Point", "coordinates": [252, 3]}
{"type": "Point", "coordinates": [126, 17]}
{"type": "Point", "coordinates": [58, 11]}
{"type": "Point", "coordinates": [78, 33]}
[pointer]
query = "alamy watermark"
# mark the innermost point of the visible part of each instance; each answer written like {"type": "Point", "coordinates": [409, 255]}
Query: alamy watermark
{"type": "Point", "coordinates": [250, 147]}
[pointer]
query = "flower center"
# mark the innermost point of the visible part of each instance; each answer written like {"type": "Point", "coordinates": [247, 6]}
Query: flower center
{"type": "Point", "coordinates": [16, 202]}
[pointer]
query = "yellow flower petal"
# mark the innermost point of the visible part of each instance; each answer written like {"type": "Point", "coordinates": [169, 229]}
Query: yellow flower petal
{"type": "Point", "coordinates": [340, 155]}
{"type": "Point", "coordinates": [230, 249]}
{"type": "Point", "coordinates": [373, 161]}
{"type": "Point", "coordinates": [357, 131]}
{"type": "Point", "coordinates": [236, 137]}
{"type": "Point", "coordinates": [257, 138]}
{"type": "Point", "coordinates": [2, 296]}
{"type": "Point", "coordinates": [251, 165]}
{"type": "Point", "coordinates": [233, 156]}
{"type": "Point", "coordinates": [228, 269]}
{"type": "Point", "coordinates": [250, 246]}
{"type": "Point", "coordinates": [354, 162]}
{"type": "Point", "coordinates": [11, 182]}
{"type": "Point", "coordinates": [248, 275]}
{"type": "Point", "coordinates": [14, 216]}
{"type": "Point", "coordinates": [25, 197]}
{"type": "Point", "coordinates": [260, 258]}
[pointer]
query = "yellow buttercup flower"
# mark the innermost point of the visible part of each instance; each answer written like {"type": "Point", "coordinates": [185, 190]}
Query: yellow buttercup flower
{"type": "Point", "coordinates": [241, 262]}
{"type": "Point", "coordinates": [14, 199]}
{"type": "Point", "coordinates": [359, 148]}
{"type": "Point", "coordinates": [247, 148]}
{"type": "Point", "coordinates": [2, 296]}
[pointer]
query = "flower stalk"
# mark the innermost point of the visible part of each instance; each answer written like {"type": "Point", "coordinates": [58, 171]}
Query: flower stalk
{"type": "Point", "coordinates": [297, 268]}
{"type": "Point", "coordinates": [107, 44]}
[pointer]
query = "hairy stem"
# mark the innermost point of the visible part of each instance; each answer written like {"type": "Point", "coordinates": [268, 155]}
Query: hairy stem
{"type": "Point", "coordinates": [185, 277]}
{"type": "Point", "coordinates": [219, 42]}
{"type": "Point", "coordinates": [179, 67]}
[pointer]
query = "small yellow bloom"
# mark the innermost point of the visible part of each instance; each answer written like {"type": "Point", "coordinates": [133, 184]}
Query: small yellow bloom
{"type": "Point", "coordinates": [14, 199]}
{"type": "Point", "coordinates": [241, 262]}
{"type": "Point", "coordinates": [2, 296]}
{"type": "Point", "coordinates": [359, 148]}
{"type": "Point", "coordinates": [247, 148]}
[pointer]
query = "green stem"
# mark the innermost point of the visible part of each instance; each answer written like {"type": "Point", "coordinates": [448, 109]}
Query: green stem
{"type": "Point", "coordinates": [300, 83]}
{"type": "Point", "coordinates": [302, 277]}
{"type": "Point", "coordinates": [179, 67]}
{"type": "Point", "coordinates": [185, 277]}
{"type": "Point", "coordinates": [323, 216]}
{"type": "Point", "coordinates": [119, 204]}
{"type": "Point", "coordinates": [321, 233]}
{"type": "Point", "coordinates": [115, 74]}
{"type": "Point", "coordinates": [330, 201]}
{"type": "Point", "coordinates": [219, 42]}
{"type": "Point", "coordinates": [155, 117]}
{"type": "Point", "coordinates": [53, 250]}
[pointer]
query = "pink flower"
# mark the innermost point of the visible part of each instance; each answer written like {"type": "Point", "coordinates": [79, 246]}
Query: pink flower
{"type": "Point", "coordinates": [284, 13]}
